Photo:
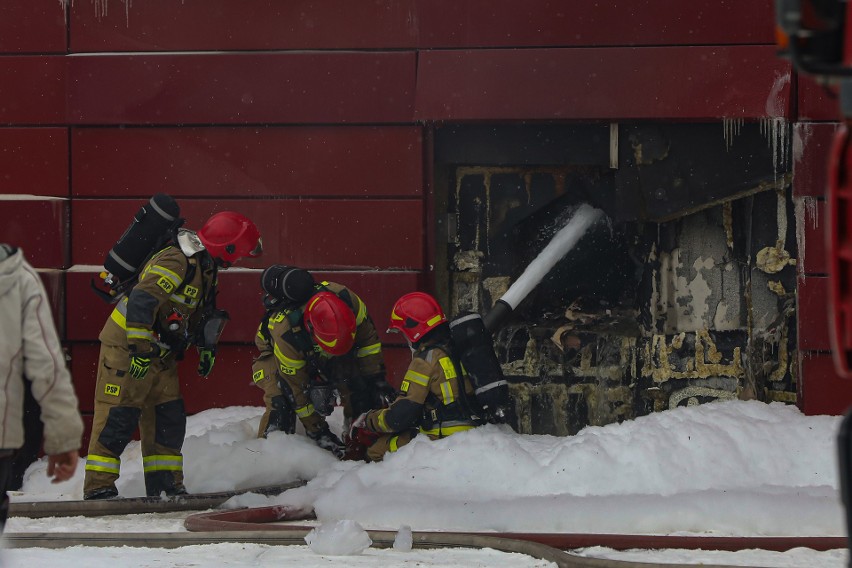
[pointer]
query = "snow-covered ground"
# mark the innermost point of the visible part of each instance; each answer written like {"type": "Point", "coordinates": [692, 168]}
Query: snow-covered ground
{"type": "Point", "coordinates": [726, 468]}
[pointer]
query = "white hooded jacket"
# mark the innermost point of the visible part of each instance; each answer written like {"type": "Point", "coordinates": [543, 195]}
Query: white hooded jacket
{"type": "Point", "coordinates": [30, 348]}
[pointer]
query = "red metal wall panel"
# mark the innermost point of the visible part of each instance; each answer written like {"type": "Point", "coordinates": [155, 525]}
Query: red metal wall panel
{"type": "Point", "coordinates": [163, 25]}
{"type": "Point", "coordinates": [508, 23]}
{"type": "Point", "coordinates": [32, 26]}
{"type": "Point", "coordinates": [34, 161]}
{"type": "Point", "coordinates": [812, 292]}
{"type": "Point", "coordinates": [32, 89]}
{"type": "Point", "coordinates": [39, 227]}
{"type": "Point", "coordinates": [603, 83]}
{"type": "Point", "coordinates": [811, 145]}
{"type": "Point", "coordinates": [312, 233]}
{"type": "Point", "coordinates": [817, 102]}
{"type": "Point", "coordinates": [84, 370]}
{"type": "Point", "coordinates": [822, 391]}
{"type": "Point", "coordinates": [242, 88]}
{"type": "Point", "coordinates": [812, 256]}
{"type": "Point", "coordinates": [192, 25]}
{"type": "Point", "coordinates": [250, 162]}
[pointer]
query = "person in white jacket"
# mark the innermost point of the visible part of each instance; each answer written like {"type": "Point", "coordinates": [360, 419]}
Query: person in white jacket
{"type": "Point", "coordinates": [30, 351]}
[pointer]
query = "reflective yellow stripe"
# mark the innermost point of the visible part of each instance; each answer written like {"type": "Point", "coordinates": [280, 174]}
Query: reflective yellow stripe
{"type": "Point", "coordinates": [181, 299]}
{"type": "Point", "coordinates": [286, 361]}
{"type": "Point", "coordinates": [370, 350]}
{"type": "Point", "coordinates": [119, 318]}
{"type": "Point", "coordinates": [140, 333]}
{"type": "Point", "coordinates": [105, 464]}
{"type": "Point", "coordinates": [258, 376]}
{"type": "Point", "coordinates": [447, 392]}
{"type": "Point", "coordinates": [416, 377]}
{"type": "Point", "coordinates": [162, 463]}
{"type": "Point", "coordinates": [448, 367]}
{"type": "Point", "coordinates": [383, 426]}
{"type": "Point", "coordinates": [445, 431]}
{"type": "Point", "coordinates": [362, 310]}
{"type": "Point", "coordinates": [305, 411]}
{"type": "Point", "coordinates": [165, 272]}
{"type": "Point", "coordinates": [393, 444]}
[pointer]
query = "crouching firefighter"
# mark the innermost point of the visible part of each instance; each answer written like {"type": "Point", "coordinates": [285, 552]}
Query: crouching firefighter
{"type": "Point", "coordinates": [170, 308]}
{"type": "Point", "coordinates": [316, 340]}
{"type": "Point", "coordinates": [435, 398]}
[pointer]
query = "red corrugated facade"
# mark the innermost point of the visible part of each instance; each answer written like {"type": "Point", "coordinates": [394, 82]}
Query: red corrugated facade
{"type": "Point", "coordinates": [314, 119]}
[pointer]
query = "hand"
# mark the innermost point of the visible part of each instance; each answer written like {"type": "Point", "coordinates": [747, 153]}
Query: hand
{"type": "Point", "coordinates": [139, 365]}
{"type": "Point", "coordinates": [328, 441]}
{"type": "Point", "coordinates": [358, 423]}
{"type": "Point", "coordinates": [206, 358]}
{"type": "Point", "coordinates": [282, 417]}
{"type": "Point", "coordinates": [61, 467]}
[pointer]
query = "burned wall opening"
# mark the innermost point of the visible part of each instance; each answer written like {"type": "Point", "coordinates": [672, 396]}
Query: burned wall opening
{"type": "Point", "coordinates": [667, 300]}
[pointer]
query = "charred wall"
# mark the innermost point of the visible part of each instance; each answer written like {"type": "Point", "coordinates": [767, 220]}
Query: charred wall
{"type": "Point", "coordinates": [685, 294]}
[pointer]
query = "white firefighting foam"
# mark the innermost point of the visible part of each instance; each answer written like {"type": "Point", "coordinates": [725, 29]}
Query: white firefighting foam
{"type": "Point", "coordinates": [562, 242]}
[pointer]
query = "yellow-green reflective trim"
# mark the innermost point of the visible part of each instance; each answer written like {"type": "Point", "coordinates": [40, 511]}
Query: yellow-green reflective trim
{"type": "Point", "coordinates": [105, 464]}
{"type": "Point", "coordinates": [157, 269]}
{"type": "Point", "coordinates": [393, 444]}
{"type": "Point", "coordinates": [383, 426]}
{"type": "Point", "coordinates": [162, 463]}
{"type": "Point", "coordinates": [432, 321]}
{"type": "Point", "coordinates": [181, 299]}
{"type": "Point", "coordinates": [416, 377]}
{"type": "Point", "coordinates": [446, 430]}
{"type": "Point", "coordinates": [119, 318]}
{"type": "Point", "coordinates": [447, 392]}
{"type": "Point", "coordinates": [448, 367]}
{"type": "Point", "coordinates": [140, 333]}
{"type": "Point", "coordinates": [370, 350]}
{"type": "Point", "coordinates": [305, 411]}
{"type": "Point", "coordinates": [362, 310]}
{"type": "Point", "coordinates": [286, 361]}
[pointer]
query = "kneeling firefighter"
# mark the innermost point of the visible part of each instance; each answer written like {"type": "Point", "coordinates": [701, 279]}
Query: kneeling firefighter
{"type": "Point", "coordinates": [170, 308]}
{"type": "Point", "coordinates": [436, 396]}
{"type": "Point", "coordinates": [315, 339]}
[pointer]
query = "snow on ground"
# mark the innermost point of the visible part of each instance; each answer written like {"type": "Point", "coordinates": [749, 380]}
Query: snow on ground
{"type": "Point", "coordinates": [726, 468]}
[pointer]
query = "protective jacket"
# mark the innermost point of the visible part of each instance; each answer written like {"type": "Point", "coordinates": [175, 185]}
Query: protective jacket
{"type": "Point", "coordinates": [430, 400]}
{"type": "Point", "coordinates": [163, 310]}
{"type": "Point", "coordinates": [30, 348]}
{"type": "Point", "coordinates": [298, 364]}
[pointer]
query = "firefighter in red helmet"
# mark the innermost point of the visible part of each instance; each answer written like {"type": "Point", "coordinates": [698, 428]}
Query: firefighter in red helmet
{"type": "Point", "coordinates": [435, 397]}
{"type": "Point", "coordinates": [315, 339]}
{"type": "Point", "coordinates": [171, 308]}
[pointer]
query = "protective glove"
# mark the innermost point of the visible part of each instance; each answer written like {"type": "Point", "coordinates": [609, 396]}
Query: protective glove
{"type": "Point", "coordinates": [206, 358]}
{"type": "Point", "coordinates": [328, 441]}
{"type": "Point", "coordinates": [282, 417]}
{"type": "Point", "coordinates": [358, 423]}
{"type": "Point", "coordinates": [359, 439]}
{"type": "Point", "coordinates": [139, 364]}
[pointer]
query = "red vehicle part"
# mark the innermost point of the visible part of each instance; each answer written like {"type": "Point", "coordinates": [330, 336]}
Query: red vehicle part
{"type": "Point", "coordinates": [839, 240]}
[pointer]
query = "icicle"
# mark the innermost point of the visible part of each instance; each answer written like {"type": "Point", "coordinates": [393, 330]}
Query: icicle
{"type": "Point", "coordinates": [731, 127]}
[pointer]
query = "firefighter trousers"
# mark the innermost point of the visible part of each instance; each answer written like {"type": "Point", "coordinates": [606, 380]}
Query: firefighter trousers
{"type": "Point", "coordinates": [122, 403]}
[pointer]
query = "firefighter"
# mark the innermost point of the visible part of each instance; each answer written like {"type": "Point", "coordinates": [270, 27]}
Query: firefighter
{"type": "Point", "coordinates": [316, 338]}
{"type": "Point", "coordinates": [170, 308]}
{"type": "Point", "coordinates": [435, 397]}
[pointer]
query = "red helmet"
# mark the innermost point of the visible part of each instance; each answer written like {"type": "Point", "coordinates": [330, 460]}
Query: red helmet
{"type": "Point", "coordinates": [230, 236]}
{"type": "Point", "coordinates": [331, 323]}
{"type": "Point", "coordinates": [416, 314]}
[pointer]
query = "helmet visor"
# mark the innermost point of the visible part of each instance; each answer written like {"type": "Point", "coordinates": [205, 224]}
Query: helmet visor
{"type": "Point", "coordinates": [258, 249]}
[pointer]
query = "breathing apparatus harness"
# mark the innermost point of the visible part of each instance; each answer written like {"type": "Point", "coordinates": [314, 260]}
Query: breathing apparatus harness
{"type": "Point", "coordinates": [462, 409]}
